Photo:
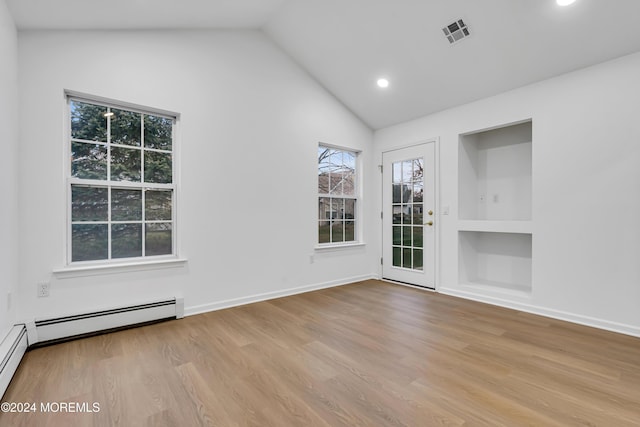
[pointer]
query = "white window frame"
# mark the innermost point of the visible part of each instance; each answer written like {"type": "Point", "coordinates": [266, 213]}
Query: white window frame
{"type": "Point", "coordinates": [158, 261]}
{"type": "Point", "coordinates": [358, 188]}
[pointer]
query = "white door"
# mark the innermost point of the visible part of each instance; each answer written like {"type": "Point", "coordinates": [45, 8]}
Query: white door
{"type": "Point", "coordinates": [408, 215]}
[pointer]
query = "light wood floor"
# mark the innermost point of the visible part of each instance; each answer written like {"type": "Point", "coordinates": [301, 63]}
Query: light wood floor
{"type": "Point", "coordinates": [367, 354]}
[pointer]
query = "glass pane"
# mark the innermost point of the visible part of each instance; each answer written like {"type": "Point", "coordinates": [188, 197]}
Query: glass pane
{"type": "Point", "coordinates": [126, 240]}
{"type": "Point", "coordinates": [349, 210]}
{"type": "Point", "coordinates": [417, 214]}
{"type": "Point", "coordinates": [417, 237]}
{"type": "Point", "coordinates": [157, 205]}
{"type": "Point", "coordinates": [335, 183]}
{"type": "Point", "coordinates": [89, 203]}
{"type": "Point", "coordinates": [157, 167]}
{"type": "Point", "coordinates": [418, 172]}
{"type": "Point", "coordinates": [417, 259]}
{"type": "Point", "coordinates": [406, 258]}
{"type": "Point", "coordinates": [126, 205]}
{"type": "Point", "coordinates": [126, 127]}
{"type": "Point", "coordinates": [337, 208]}
{"type": "Point", "coordinates": [397, 257]}
{"type": "Point", "coordinates": [397, 172]}
{"type": "Point", "coordinates": [125, 164]}
{"type": "Point", "coordinates": [397, 235]}
{"type": "Point", "coordinates": [349, 231]}
{"type": "Point", "coordinates": [337, 231]}
{"type": "Point", "coordinates": [335, 161]}
{"type": "Point", "coordinates": [323, 170]}
{"type": "Point", "coordinates": [406, 214]}
{"type": "Point", "coordinates": [349, 161]}
{"type": "Point", "coordinates": [158, 239]}
{"type": "Point", "coordinates": [349, 183]}
{"type": "Point", "coordinates": [157, 132]}
{"type": "Point", "coordinates": [324, 208]}
{"type": "Point", "coordinates": [407, 171]}
{"type": "Point", "coordinates": [397, 214]}
{"type": "Point", "coordinates": [418, 191]}
{"type": "Point", "coordinates": [349, 173]}
{"type": "Point", "coordinates": [324, 231]}
{"type": "Point", "coordinates": [323, 184]}
{"type": "Point", "coordinates": [89, 242]}
{"type": "Point", "coordinates": [88, 121]}
{"type": "Point", "coordinates": [406, 236]}
{"type": "Point", "coordinates": [407, 193]}
{"type": "Point", "coordinates": [397, 193]}
{"type": "Point", "coordinates": [324, 160]}
{"type": "Point", "coordinates": [88, 161]}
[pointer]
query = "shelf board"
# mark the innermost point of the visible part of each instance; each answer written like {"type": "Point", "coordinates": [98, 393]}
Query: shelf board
{"type": "Point", "coordinates": [499, 287]}
{"type": "Point", "coordinates": [522, 227]}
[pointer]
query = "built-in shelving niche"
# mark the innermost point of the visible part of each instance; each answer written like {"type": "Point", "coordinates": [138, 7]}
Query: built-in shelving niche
{"type": "Point", "coordinates": [495, 174]}
{"type": "Point", "coordinates": [494, 209]}
{"type": "Point", "coordinates": [496, 261]}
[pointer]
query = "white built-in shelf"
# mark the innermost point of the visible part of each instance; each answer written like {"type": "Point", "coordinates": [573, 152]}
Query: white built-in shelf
{"type": "Point", "coordinates": [496, 261]}
{"type": "Point", "coordinates": [494, 173]}
{"type": "Point", "coordinates": [507, 289]}
{"type": "Point", "coordinates": [495, 226]}
{"type": "Point", "coordinates": [494, 210]}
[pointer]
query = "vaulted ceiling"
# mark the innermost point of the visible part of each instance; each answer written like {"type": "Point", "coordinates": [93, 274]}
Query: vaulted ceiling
{"type": "Point", "coordinates": [346, 45]}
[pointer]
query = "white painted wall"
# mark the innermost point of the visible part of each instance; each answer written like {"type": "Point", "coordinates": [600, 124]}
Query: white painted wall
{"type": "Point", "coordinates": [8, 169]}
{"type": "Point", "coordinates": [586, 190]}
{"type": "Point", "coordinates": [250, 124]}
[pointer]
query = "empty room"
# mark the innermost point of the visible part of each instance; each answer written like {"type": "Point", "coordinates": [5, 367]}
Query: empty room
{"type": "Point", "coordinates": [320, 213]}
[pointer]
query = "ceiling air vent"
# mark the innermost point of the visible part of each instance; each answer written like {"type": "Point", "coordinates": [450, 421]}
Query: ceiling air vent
{"type": "Point", "coordinates": [456, 31]}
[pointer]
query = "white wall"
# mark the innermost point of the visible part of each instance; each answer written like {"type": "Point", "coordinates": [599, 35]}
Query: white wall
{"type": "Point", "coordinates": [586, 190]}
{"type": "Point", "coordinates": [250, 124]}
{"type": "Point", "coordinates": [8, 169]}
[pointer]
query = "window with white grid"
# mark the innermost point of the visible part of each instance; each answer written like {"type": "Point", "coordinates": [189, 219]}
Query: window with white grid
{"type": "Point", "coordinates": [337, 195]}
{"type": "Point", "coordinates": [121, 182]}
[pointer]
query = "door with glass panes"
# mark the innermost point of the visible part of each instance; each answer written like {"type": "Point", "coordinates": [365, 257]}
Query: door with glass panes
{"type": "Point", "coordinates": [408, 215]}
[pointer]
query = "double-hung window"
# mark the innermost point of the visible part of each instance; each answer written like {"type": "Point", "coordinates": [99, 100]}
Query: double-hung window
{"type": "Point", "coordinates": [121, 182]}
{"type": "Point", "coordinates": [337, 196]}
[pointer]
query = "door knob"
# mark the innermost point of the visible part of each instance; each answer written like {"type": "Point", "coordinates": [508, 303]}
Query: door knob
{"type": "Point", "coordinates": [430, 223]}
{"type": "Point", "coordinates": [430, 212]}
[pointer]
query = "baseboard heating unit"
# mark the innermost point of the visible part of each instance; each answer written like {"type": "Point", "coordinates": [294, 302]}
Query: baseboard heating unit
{"type": "Point", "coordinates": [63, 328]}
{"type": "Point", "coordinates": [12, 348]}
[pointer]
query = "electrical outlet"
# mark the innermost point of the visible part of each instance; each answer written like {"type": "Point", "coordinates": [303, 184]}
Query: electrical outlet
{"type": "Point", "coordinates": [43, 289]}
{"type": "Point", "coordinates": [8, 300]}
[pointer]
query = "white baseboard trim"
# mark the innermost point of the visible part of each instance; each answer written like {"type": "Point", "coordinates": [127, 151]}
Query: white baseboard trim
{"type": "Point", "coordinates": [546, 312]}
{"type": "Point", "coordinates": [12, 349]}
{"type": "Point", "coordinates": [235, 302]}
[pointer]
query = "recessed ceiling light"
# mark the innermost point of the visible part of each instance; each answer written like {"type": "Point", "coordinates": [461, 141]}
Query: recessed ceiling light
{"type": "Point", "coordinates": [383, 83]}
{"type": "Point", "coordinates": [565, 2]}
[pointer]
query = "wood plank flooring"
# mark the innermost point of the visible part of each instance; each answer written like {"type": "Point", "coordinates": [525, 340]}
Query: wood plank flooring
{"type": "Point", "coordinates": [366, 354]}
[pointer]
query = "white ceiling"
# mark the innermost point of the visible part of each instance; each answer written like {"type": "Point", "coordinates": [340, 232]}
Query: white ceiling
{"type": "Point", "coordinates": [347, 44]}
{"type": "Point", "coordinates": [141, 14]}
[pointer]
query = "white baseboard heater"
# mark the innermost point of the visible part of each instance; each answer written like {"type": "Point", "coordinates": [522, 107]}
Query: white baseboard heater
{"type": "Point", "coordinates": [68, 327]}
{"type": "Point", "coordinates": [12, 348]}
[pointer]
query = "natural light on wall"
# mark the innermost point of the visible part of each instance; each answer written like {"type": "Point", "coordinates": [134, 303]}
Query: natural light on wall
{"type": "Point", "coordinates": [565, 2]}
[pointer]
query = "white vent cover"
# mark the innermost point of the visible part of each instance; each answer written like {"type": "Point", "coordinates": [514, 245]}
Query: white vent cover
{"type": "Point", "coordinates": [456, 31]}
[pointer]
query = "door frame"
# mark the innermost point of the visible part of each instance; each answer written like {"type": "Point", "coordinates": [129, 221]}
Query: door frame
{"type": "Point", "coordinates": [437, 217]}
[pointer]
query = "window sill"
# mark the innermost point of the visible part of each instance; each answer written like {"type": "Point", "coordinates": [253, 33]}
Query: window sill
{"type": "Point", "coordinates": [102, 269]}
{"type": "Point", "coordinates": [336, 246]}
